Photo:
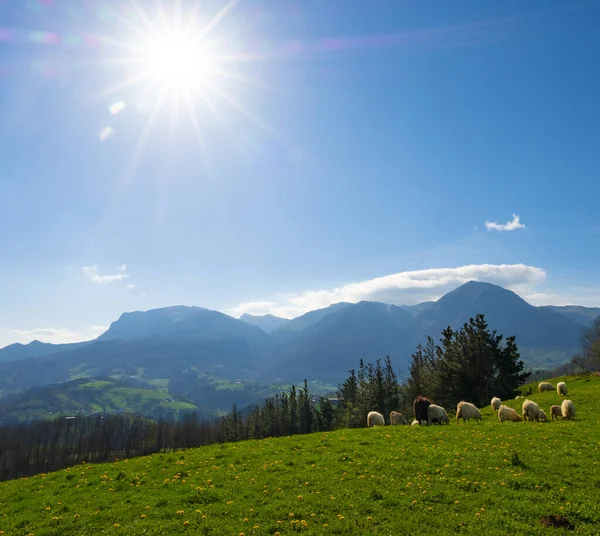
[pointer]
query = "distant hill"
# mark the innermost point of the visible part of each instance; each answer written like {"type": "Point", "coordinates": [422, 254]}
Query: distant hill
{"type": "Point", "coordinates": [418, 308]}
{"type": "Point", "coordinates": [268, 323]}
{"type": "Point", "coordinates": [85, 397]}
{"type": "Point", "coordinates": [296, 325]}
{"type": "Point", "coordinates": [178, 346]}
{"type": "Point", "coordinates": [367, 330]}
{"type": "Point", "coordinates": [35, 349]}
{"type": "Point", "coordinates": [537, 329]}
{"type": "Point", "coordinates": [576, 313]}
{"type": "Point", "coordinates": [181, 322]}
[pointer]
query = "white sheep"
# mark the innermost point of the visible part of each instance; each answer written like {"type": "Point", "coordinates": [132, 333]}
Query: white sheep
{"type": "Point", "coordinates": [568, 409]}
{"type": "Point", "coordinates": [508, 414]}
{"type": "Point", "coordinates": [467, 411]}
{"type": "Point", "coordinates": [438, 414]}
{"type": "Point", "coordinates": [545, 386]}
{"type": "Point", "coordinates": [397, 418]}
{"type": "Point", "coordinates": [561, 388]}
{"type": "Point", "coordinates": [555, 412]}
{"type": "Point", "coordinates": [375, 419]}
{"type": "Point", "coordinates": [532, 412]}
{"type": "Point", "coordinates": [496, 403]}
{"type": "Point", "coordinates": [415, 423]}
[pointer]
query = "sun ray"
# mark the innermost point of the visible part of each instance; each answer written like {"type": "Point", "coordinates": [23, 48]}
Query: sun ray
{"type": "Point", "coordinates": [204, 161]}
{"type": "Point", "coordinates": [217, 18]}
{"type": "Point", "coordinates": [123, 84]}
{"type": "Point", "coordinates": [193, 19]}
{"type": "Point", "coordinates": [237, 106]}
{"type": "Point", "coordinates": [241, 78]}
{"type": "Point", "coordinates": [129, 173]}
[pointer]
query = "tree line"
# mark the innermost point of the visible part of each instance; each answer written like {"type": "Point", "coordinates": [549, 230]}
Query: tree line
{"type": "Point", "coordinates": [472, 363]}
{"type": "Point", "coordinates": [50, 445]}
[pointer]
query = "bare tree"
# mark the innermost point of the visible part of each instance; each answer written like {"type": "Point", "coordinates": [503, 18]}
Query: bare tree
{"type": "Point", "coordinates": [590, 344]}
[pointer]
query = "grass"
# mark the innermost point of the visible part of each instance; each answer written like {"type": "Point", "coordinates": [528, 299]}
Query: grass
{"type": "Point", "coordinates": [488, 478]}
{"type": "Point", "coordinates": [85, 397]}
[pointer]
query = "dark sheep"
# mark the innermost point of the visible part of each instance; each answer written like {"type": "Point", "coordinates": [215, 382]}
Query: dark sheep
{"type": "Point", "coordinates": [420, 407]}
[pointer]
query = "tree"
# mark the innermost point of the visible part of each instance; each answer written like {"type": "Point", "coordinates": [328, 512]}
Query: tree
{"type": "Point", "coordinates": [374, 388]}
{"type": "Point", "coordinates": [422, 370]}
{"type": "Point", "coordinates": [472, 364]}
{"type": "Point", "coordinates": [590, 344]}
{"type": "Point", "coordinates": [326, 414]}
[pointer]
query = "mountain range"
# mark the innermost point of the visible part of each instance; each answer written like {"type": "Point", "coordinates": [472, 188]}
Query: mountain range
{"type": "Point", "coordinates": [177, 345]}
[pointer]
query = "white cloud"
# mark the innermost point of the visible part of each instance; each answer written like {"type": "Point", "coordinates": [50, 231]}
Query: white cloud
{"type": "Point", "coordinates": [130, 286]}
{"type": "Point", "coordinates": [508, 226]}
{"type": "Point", "coordinates": [402, 288]}
{"type": "Point", "coordinates": [52, 335]}
{"type": "Point", "coordinates": [93, 275]}
{"type": "Point", "coordinates": [588, 297]}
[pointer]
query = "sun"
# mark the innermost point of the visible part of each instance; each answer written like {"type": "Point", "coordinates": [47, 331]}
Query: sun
{"type": "Point", "coordinates": [183, 70]}
{"type": "Point", "coordinates": [179, 53]}
{"type": "Point", "coordinates": [176, 62]}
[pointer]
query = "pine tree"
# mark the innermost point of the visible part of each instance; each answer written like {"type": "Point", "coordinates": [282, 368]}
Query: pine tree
{"type": "Point", "coordinates": [471, 364]}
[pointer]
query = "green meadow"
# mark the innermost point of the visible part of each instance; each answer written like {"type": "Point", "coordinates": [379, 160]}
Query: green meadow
{"type": "Point", "coordinates": [487, 478]}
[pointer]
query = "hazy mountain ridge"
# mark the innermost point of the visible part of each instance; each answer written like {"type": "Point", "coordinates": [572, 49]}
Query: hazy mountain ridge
{"type": "Point", "coordinates": [322, 344]}
{"type": "Point", "coordinates": [15, 351]}
{"type": "Point", "coordinates": [268, 323]}
{"type": "Point", "coordinates": [576, 313]}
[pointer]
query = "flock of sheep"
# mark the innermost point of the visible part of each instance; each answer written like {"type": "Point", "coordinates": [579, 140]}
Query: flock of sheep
{"type": "Point", "coordinates": [426, 412]}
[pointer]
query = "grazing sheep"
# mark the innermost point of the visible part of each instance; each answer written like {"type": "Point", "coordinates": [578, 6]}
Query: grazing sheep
{"type": "Point", "coordinates": [555, 412]}
{"type": "Point", "coordinates": [532, 412]}
{"type": "Point", "coordinates": [437, 414]}
{"type": "Point", "coordinates": [561, 388]}
{"type": "Point", "coordinates": [508, 414]}
{"type": "Point", "coordinates": [397, 418]}
{"type": "Point", "coordinates": [568, 409]}
{"type": "Point", "coordinates": [415, 423]}
{"type": "Point", "coordinates": [496, 403]}
{"type": "Point", "coordinates": [420, 405]}
{"type": "Point", "coordinates": [467, 411]}
{"type": "Point", "coordinates": [545, 386]}
{"type": "Point", "coordinates": [375, 419]}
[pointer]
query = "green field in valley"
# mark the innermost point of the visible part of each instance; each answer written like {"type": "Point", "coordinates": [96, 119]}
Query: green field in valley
{"type": "Point", "coordinates": [488, 478]}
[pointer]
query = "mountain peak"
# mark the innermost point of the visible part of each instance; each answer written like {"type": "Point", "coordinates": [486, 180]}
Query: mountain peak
{"type": "Point", "coordinates": [268, 323]}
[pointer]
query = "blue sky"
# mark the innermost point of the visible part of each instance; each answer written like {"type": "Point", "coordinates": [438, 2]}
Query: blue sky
{"type": "Point", "coordinates": [332, 150]}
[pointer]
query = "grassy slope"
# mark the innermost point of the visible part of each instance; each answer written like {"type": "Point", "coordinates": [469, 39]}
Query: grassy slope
{"type": "Point", "coordinates": [73, 398]}
{"type": "Point", "coordinates": [400, 480]}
